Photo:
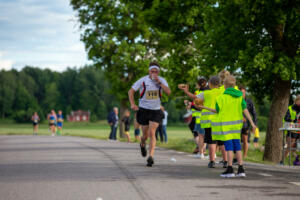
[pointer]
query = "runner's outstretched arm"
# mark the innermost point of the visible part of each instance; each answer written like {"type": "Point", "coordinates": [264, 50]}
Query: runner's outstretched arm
{"type": "Point", "coordinates": [131, 100]}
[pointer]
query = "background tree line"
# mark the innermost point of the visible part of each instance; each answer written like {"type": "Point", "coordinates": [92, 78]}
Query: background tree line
{"type": "Point", "coordinates": [33, 89]}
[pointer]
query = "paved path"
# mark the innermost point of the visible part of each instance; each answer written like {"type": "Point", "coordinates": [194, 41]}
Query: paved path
{"type": "Point", "coordinates": [70, 168]}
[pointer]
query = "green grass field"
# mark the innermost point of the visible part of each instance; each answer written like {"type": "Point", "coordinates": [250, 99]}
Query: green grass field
{"type": "Point", "coordinates": [179, 137]}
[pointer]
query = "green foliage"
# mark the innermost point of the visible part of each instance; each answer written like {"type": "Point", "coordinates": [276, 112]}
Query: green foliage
{"type": "Point", "coordinates": [22, 116]}
{"type": "Point", "coordinates": [114, 36]}
{"type": "Point", "coordinates": [262, 123]}
{"type": "Point", "coordinates": [35, 90]}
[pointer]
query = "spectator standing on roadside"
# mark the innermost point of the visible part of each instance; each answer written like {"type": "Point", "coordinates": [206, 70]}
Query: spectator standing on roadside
{"type": "Point", "coordinates": [113, 120]}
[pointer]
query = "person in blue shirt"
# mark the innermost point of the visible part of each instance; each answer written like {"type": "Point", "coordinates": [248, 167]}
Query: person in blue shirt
{"type": "Point", "coordinates": [113, 120]}
{"type": "Point", "coordinates": [60, 120]}
{"type": "Point", "coordinates": [52, 122]}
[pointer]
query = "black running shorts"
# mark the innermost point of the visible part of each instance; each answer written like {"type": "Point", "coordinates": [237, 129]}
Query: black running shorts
{"type": "Point", "coordinates": [245, 131]}
{"type": "Point", "coordinates": [192, 126]}
{"type": "Point", "coordinates": [143, 116]}
{"type": "Point", "coordinates": [208, 138]}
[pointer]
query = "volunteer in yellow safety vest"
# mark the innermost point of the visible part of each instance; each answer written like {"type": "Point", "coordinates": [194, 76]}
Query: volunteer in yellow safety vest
{"type": "Point", "coordinates": [227, 124]}
{"type": "Point", "coordinates": [209, 99]}
{"type": "Point", "coordinates": [292, 115]}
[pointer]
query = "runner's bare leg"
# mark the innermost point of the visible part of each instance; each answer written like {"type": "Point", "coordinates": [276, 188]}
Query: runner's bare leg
{"type": "Point", "coordinates": [152, 128]}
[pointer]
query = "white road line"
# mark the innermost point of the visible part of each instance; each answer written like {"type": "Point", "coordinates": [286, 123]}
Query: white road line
{"type": "Point", "coordinates": [179, 152]}
{"type": "Point", "coordinates": [263, 174]}
{"type": "Point", "coordinates": [295, 183]}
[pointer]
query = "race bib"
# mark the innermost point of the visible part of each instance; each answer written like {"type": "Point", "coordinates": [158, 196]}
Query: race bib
{"type": "Point", "coordinates": [152, 94]}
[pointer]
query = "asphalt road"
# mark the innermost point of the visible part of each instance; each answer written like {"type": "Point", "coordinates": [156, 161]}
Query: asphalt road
{"type": "Point", "coordinates": [44, 168]}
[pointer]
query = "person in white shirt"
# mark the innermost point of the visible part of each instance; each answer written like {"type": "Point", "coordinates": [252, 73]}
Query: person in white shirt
{"type": "Point", "coordinates": [164, 124]}
{"type": "Point", "coordinates": [149, 114]}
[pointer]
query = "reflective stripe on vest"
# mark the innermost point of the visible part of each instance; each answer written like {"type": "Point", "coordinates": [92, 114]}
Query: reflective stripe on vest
{"type": "Point", "coordinates": [210, 97]}
{"type": "Point", "coordinates": [208, 113]}
{"type": "Point", "coordinates": [293, 116]}
{"type": "Point", "coordinates": [194, 111]}
{"type": "Point", "coordinates": [228, 123]}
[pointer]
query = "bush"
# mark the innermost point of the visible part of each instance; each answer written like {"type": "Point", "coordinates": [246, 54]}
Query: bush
{"type": "Point", "coordinates": [22, 116]}
{"type": "Point", "coordinates": [262, 123]}
{"type": "Point", "coordinates": [94, 118]}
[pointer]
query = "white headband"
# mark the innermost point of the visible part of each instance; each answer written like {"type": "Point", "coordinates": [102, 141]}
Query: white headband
{"type": "Point", "coordinates": [153, 67]}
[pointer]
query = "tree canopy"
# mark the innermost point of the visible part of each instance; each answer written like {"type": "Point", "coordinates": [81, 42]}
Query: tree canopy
{"type": "Point", "coordinates": [256, 40]}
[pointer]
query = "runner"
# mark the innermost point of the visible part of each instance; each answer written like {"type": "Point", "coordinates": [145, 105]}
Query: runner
{"type": "Point", "coordinates": [149, 114]}
{"type": "Point", "coordinates": [60, 120]}
{"type": "Point", "coordinates": [209, 99]}
{"type": "Point", "coordinates": [52, 122]}
{"type": "Point", "coordinates": [35, 121]}
{"type": "Point", "coordinates": [245, 133]}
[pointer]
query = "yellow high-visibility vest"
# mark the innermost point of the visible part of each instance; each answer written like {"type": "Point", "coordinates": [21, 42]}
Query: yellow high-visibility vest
{"type": "Point", "coordinates": [293, 116]}
{"type": "Point", "coordinates": [228, 123]}
{"type": "Point", "coordinates": [197, 113]}
{"type": "Point", "coordinates": [210, 97]}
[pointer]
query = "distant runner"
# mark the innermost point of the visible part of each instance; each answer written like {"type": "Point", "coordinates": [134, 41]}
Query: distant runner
{"type": "Point", "coordinates": [35, 121]}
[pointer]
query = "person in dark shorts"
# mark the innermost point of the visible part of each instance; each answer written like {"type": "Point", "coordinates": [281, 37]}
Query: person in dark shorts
{"type": "Point", "coordinates": [60, 120]}
{"type": "Point", "coordinates": [245, 133]}
{"type": "Point", "coordinates": [137, 130]}
{"type": "Point", "coordinates": [52, 122]}
{"type": "Point", "coordinates": [126, 121]}
{"type": "Point", "coordinates": [35, 122]}
{"type": "Point", "coordinates": [149, 114]}
{"type": "Point", "coordinates": [191, 125]}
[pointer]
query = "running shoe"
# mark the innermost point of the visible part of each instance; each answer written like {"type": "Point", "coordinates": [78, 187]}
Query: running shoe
{"type": "Point", "coordinates": [197, 155]}
{"type": "Point", "coordinates": [221, 162]}
{"type": "Point", "coordinates": [241, 172]}
{"type": "Point", "coordinates": [196, 150]}
{"type": "Point", "coordinates": [211, 164]}
{"type": "Point", "coordinates": [143, 150]}
{"type": "Point", "coordinates": [150, 161]}
{"type": "Point", "coordinates": [228, 173]}
{"type": "Point", "coordinates": [225, 164]}
{"type": "Point", "coordinates": [202, 156]}
{"type": "Point", "coordinates": [235, 161]}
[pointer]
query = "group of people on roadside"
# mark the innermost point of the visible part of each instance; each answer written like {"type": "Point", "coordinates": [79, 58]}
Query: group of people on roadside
{"type": "Point", "coordinates": [292, 116]}
{"type": "Point", "coordinates": [55, 122]}
{"type": "Point", "coordinates": [221, 115]}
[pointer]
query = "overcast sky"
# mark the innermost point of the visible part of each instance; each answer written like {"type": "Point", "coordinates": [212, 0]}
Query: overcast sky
{"type": "Point", "coordinates": [40, 33]}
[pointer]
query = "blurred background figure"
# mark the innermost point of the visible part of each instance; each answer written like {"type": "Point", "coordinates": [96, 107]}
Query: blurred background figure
{"type": "Point", "coordinates": [164, 124]}
{"type": "Point", "coordinates": [113, 119]}
{"type": "Point", "coordinates": [60, 120]}
{"type": "Point", "coordinates": [137, 129]}
{"type": "Point", "coordinates": [126, 121]}
{"type": "Point", "coordinates": [35, 121]}
{"type": "Point", "coordinates": [52, 122]}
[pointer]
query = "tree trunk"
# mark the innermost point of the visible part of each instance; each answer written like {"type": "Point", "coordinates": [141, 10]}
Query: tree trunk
{"type": "Point", "coordinates": [121, 124]}
{"type": "Point", "coordinates": [273, 142]}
